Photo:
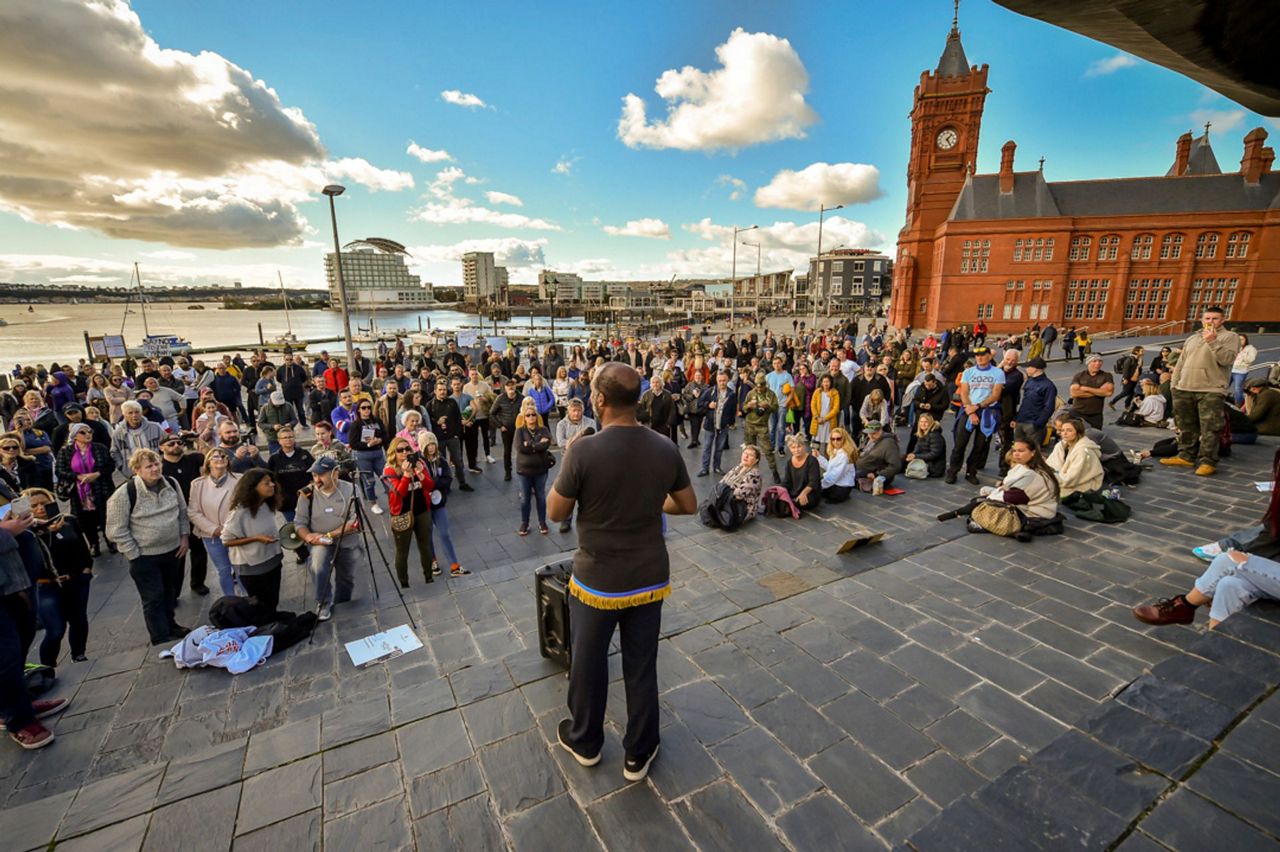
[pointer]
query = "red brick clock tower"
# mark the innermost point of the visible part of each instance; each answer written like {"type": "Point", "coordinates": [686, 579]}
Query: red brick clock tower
{"type": "Point", "coordinates": [945, 119]}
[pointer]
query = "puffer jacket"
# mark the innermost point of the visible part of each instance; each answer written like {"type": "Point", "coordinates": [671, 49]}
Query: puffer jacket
{"type": "Point", "coordinates": [932, 447]}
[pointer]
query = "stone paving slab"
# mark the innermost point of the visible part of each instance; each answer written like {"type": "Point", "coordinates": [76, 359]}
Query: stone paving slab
{"type": "Point", "coordinates": [808, 700]}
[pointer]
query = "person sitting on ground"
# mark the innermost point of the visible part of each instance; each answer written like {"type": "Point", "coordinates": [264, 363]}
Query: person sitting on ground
{"type": "Point", "coordinates": [801, 475]}
{"type": "Point", "coordinates": [1030, 486]}
{"type": "Point", "coordinates": [1076, 458]}
{"type": "Point", "coordinates": [881, 457]}
{"type": "Point", "coordinates": [744, 481]}
{"type": "Point", "coordinates": [839, 473]}
{"type": "Point", "coordinates": [929, 444]}
{"type": "Point", "coordinates": [1147, 412]}
{"type": "Point", "coordinates": [1260, 539]}
{"type": "Point", "coordinates": [1231, 582]}
{"type": "Point", "coordinates": [1262, 405]}
{"type": "Point", "coordinates": [874, 407]}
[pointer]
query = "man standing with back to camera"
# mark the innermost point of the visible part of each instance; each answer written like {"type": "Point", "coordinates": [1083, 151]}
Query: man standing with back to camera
{"type": "Point", "coordinates": [622, 480]}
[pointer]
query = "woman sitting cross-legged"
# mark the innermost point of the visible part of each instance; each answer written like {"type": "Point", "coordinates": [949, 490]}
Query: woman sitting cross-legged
{"type": "Point", "coordinates": [1231, 582]}
{"type": "Point", "coordinates": [801, 476]}
{"type": "Point", "coordinates": [744, 481]}
{"type": "Point", "coordinates": [930, 446]}
{"type": "Point", "coordinates": [1030, 487]}
{"type": "Point", "coordinates": [839, 475]}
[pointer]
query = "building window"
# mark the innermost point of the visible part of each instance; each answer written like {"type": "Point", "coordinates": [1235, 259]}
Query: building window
{"type": "Point", "coordinates": [1048, 249]}
{"type": "Point", "coordinates": [857, 285]}
{"type": "Point", "coordinates": [858, 265]}
{"type": "Point", "coordinates": [1207, 246]}
{"type": "Point", "coordinates": [1206, 292]}
{"type": "Point", "coordinates": [1080, 248]}
{"type": "Point", "coordinates": [1087, 298]}
{"type": "Point", "coordinates": [1008, 311]}
{"type": "Point", "coordinates": [1022, 285]}
{"type": "Point", "coordinates": [837, 266]}
{"type": "Point", "coordinates": [974, 255]}
{"type": "Point", "coordinates": [1238, 244]}
{"type": "Point", "coordinates": [1109, 247]}
{"type": "Point", "coordinates": [1171, 247]}
{"type": "Point", "coordinates": [1142, 247]}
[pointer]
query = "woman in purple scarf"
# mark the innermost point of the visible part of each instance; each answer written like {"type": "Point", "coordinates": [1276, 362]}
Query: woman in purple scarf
{"type": "Point", "coordinates": [84, 471]}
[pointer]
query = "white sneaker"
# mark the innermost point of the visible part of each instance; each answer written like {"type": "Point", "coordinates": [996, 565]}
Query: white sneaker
{"type": "Point", "coordinates": [1207, 552]}
{"type": "Point", "coordinates": [490, 460]}
{"type": "Point", "coordinates": [324, 612]}
{"type": "Point", "coordinates": [376, 509]}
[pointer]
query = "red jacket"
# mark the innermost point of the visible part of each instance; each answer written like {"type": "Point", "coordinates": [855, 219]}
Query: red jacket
{"type": "Point", "coordinates": [398, 496]}
{"type": "Point", "coordinates": [336, 379]}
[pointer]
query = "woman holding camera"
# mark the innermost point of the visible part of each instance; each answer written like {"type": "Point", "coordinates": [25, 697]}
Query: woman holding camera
{"type": "Point", "coordinates": [252, 536]}
{"type": "Point", "coordinates": [63, 599]}
{"type": "Point", "coordinates": [410, 502]}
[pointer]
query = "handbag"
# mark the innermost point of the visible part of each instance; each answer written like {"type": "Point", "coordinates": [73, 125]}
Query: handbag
{"type": "Point", "coordinates": [402, 522]}
{"type": "Point", "coordinates": [917, 469]}
{"type": "Point", "coordinates": [997, 518]}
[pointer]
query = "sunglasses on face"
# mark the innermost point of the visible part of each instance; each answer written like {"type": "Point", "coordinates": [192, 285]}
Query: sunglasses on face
{"type": "Point", "coordinates": [366, 408]}
{"type": "Point", "coordinates": [403, 449]}
{"type": "Point", "coordinates": [10, 448]}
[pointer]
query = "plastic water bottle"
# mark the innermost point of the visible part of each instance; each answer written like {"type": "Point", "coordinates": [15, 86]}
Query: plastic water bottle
{"type": "Point", "coordinates": [877, 486]}
{"type": "Point", "coordinates": [1112, 492]}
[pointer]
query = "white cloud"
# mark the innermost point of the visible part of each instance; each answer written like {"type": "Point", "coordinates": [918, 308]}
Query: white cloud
{"type": "Point", "coordinates": [1110, 65]}
{"type": "Point", "coordinates": [654, 229]}
{"type": "Point", "coordinates": [1223, 120]}
{"type": "Point", "coordinates": [821, 183]}
{"type": "Point", "coordinates": [450, 209]}
{"type": "Point", "coordinates": [504, 198]}
{"type": "Point", "coordinates": [427, 155]}
{"type": "Point", "coordinates": [169, 254]}
{"type": "Point", "coordinates": [462, 99]}
{"type": "Point", "coordinates": [836, 231]}
{"type": "Point", "coordinates": [564, 165]}
{"type": "Point", "coordinates": [102, 128]}
{"type": "Point", "coordinates": [507, 251]}
{"type": "Point", "coordinates": [739, 186]}
{"type": "Point", "coordinates": [70, 269]}
{"type": "Point", "coordinates": [757, 95]}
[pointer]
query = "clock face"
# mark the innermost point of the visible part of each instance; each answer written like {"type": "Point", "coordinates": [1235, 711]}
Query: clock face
{"type": "Point", "coordinates": [947, 139]}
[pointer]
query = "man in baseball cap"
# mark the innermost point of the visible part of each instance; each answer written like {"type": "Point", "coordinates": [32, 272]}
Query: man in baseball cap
{"type": "Point", "coordinates": [321, 522]}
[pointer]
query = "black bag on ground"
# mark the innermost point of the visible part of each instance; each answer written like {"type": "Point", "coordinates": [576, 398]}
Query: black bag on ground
{"type": "Point", "coordinates": [1118, 470]}
{"type": "Point", "coordinates": [290, 631]}
{"type": "Point", "coordinates": [1096, 506]}
{"type": "Point", "coordinates": [551, 589]}
{"type": "Point", "coordinates": [1164, 448]}
{"type": "Point", "coordinates": [720, 510]}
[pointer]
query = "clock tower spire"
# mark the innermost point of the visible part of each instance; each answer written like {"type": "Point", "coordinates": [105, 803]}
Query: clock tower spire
{"type": "Point", "coordinates": [946, 115]}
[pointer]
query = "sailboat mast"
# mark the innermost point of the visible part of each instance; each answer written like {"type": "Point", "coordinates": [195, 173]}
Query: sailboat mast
{"type": "Point", "coordinates": [142, 299]}
{"type": "Point", "coordinates": [286, 301]}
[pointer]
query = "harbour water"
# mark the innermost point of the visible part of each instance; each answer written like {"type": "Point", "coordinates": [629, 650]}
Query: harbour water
{"type": "Point", "coordinates": [55, 332]}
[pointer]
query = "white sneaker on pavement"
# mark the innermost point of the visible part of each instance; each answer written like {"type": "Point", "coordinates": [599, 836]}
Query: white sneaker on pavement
{"type": "Point", "coordinates": [490, 460]}
{"type": "Point", "coordinates": [376, 509]}
{"type": "Point", "coordinates": [324, 612]}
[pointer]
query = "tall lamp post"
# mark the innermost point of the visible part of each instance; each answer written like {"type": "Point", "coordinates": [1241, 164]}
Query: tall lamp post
{"type": "Point", "coordinates": [813, 285]}
{"type": "Point", "coordinates": [757, 248]}
{"type": "Point", "coordinates": [334, 190]}
{"type": "Point", "coordinates": [733, 286]}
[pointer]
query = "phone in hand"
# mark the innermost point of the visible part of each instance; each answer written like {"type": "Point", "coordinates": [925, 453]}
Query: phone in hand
{"type": "Point", "coordinates": [20, 507]}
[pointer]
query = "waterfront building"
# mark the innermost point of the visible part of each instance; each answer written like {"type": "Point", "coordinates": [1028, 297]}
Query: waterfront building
{"type": "Point", "coordinates": [479, 276]}
{"type": "Point", "coordinates": [851, 280]}
{"type": "Point", "coordinates": [564, 287]}
{"type": "Point", "coordinates": [1014, 248]}
{"type": "Point", "coordinates": [375, 276]}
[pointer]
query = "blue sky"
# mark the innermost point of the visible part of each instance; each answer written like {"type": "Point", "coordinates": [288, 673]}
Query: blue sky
{"type": "Point", "coordinates": [355, 84]}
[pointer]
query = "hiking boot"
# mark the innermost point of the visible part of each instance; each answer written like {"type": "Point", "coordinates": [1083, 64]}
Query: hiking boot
{"type": "Point", "coordinates": [1166, 611]}
{"type": "Point", "coordinates": [33, 736]}
{"type": "Point", "coordinates": [950, 478]}
{"type": "Point", "coordinates": [562, 734]}
{"type": "Point", "coordinates": [972, 478]}
{"type": "Point", "coordinates": [636, 768]}
{"type": "Point", "coordinates": [1176, 461]}
{"type": "Point", "coordinates": [1206, 470]}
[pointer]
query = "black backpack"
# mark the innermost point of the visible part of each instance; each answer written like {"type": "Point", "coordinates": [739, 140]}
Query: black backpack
{"type": "Point", "coordinates": [720, 510]}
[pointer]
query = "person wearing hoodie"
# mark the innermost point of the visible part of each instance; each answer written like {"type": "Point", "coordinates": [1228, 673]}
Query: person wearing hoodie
{"type": "Point", "coordinates": [1039, 400]}
{"type": "Point", "coordinates": [881, 457]}
{"type": "Point", "coordinates": [1199, 389]}
{"type": "Point", "coordinates": [60, 393]}
{"type": "Point", "coordinates": [1076, 458]}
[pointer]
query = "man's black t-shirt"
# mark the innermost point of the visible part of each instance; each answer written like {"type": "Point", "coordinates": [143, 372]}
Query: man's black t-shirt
{"type": "Point", "coordinates": [620, 478]}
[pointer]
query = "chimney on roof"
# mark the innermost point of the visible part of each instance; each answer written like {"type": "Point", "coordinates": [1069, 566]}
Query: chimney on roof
{"type": "Point", "coordinates": [1006, 166]}
{"type": "Point", "coordinates": [1252, 163]}
{"type": "Point", "coordinates": [1268, 157]}
{"type": "Point", "coordinates": [1183, 157]}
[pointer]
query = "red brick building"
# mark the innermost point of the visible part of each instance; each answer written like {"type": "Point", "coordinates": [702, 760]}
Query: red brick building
{"type": "Point", "coordinates": [1014, 249]}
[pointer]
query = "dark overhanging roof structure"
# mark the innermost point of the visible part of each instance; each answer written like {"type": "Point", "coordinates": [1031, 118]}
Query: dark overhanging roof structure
{"type": "Point", "coordinates": [381, 244]}
{"type": "Point", "coordinates": [1227, 45]}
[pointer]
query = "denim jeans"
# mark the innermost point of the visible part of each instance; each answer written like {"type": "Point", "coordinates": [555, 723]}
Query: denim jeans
{"type": "Point", "coordinates": [453, 447]}
{"type": "Point", "coordinates": [370, 463]}
{"type": "Point", "coordinates": [531, 488]}
{"type": "Point", "coordinates": [335, 571]}
{"type": "Point", "coordinates": [15, 702]}
{"type": "Point", "coordinates": [440, 527]}
{"type": "Point", "coordinates": [1237, 387]}
{"type": "Point", "coordinates": [778, 428]}
{"type": "Point", "coordinates": [221, 560]}
{"type": "Point", "coordinates": [715, 444]}
{"type": "Point", "coordinates": [61, 607]}
{"type": "Point", "coordinates": [1233, 587]}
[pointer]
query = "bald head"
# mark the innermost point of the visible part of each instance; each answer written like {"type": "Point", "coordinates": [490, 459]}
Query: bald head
{"type": "Point", "coordinates": [618, 384]}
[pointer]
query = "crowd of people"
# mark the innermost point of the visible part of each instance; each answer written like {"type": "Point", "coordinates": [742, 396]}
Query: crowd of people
{"type": "Point", "coordinates": [174, 463]}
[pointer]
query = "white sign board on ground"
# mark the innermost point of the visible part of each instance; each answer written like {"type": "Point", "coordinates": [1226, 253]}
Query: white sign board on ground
{"type": "Point", "coordinates": [383, 646]}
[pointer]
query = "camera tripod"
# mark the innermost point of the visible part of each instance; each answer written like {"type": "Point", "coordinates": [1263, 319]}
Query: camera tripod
{"type": "Point", "coordinates": [355, 510]}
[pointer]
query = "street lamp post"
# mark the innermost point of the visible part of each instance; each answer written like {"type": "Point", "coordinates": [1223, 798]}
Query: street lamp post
{"type": "Point", "coordinates": [733, 286]}
{"type": "Point", "coordinates": [757, 248]}
{"type": "Point", "coordinates": [813, 285]}
{"type": "Point", "coordinates": [334, 190]}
